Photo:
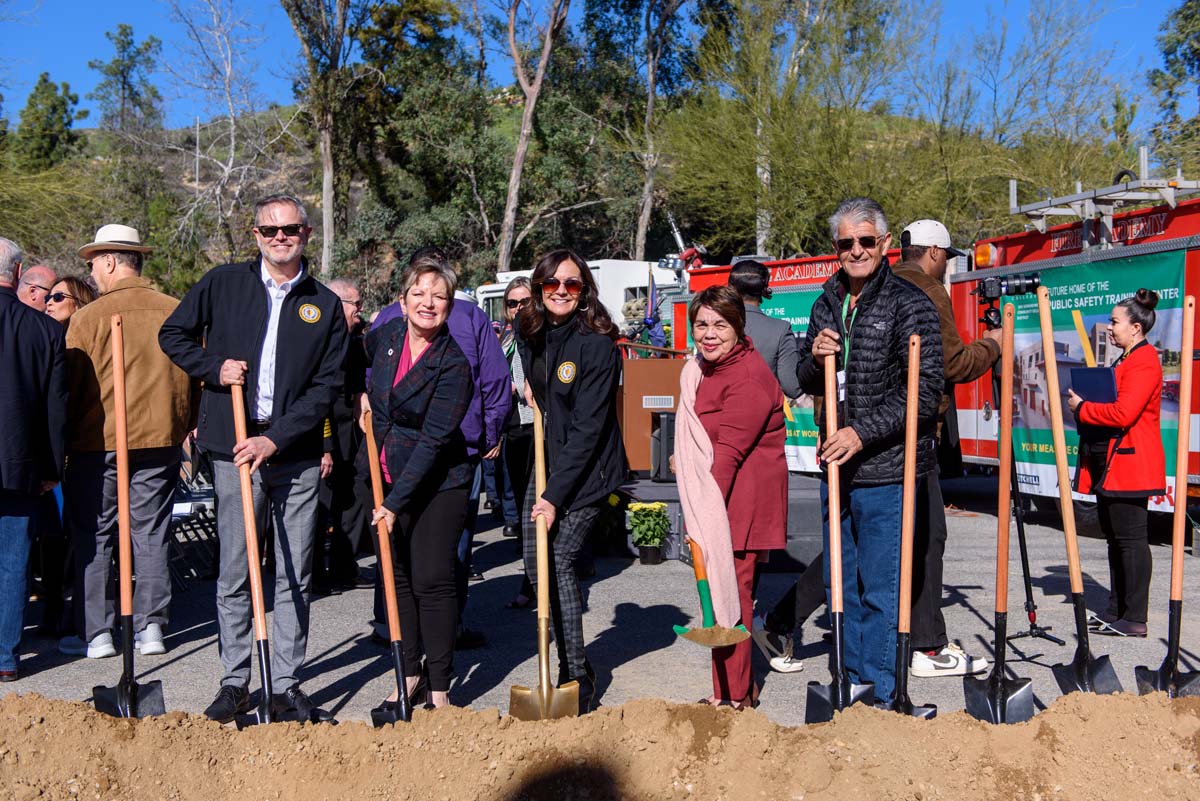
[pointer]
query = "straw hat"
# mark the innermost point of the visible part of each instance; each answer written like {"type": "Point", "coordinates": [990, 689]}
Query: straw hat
{"type": "Point", "coordinates": [114, 237]}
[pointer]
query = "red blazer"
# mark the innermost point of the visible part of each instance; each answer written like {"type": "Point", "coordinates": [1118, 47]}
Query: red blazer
{"type": "Point", "coordinates": [740, 405]}
{"type": "Point", "coordinates": [1136, 466]}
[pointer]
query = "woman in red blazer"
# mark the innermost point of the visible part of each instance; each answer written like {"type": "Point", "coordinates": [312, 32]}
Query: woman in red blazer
{"type": "Point", "coordinates": [1123, 464]}
{"type": "Point", "coordinates": [740, 406]}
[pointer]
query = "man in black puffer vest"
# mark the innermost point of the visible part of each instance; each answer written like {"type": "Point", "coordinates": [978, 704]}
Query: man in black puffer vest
{"type": "Point", "coordinates": [865, 315]}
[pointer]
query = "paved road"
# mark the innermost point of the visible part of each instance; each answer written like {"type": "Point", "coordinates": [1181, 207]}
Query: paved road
{"type": "Point", "coordinates": [630, 611]}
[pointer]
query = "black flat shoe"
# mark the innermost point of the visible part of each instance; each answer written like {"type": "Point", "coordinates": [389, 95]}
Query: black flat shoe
{"type": "Point", "coordinates": [419, 694]}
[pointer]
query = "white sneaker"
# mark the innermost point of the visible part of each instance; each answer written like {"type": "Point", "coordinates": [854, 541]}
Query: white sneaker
{"type": "Point", "coordinates": [100, 647]}
{"type": "Point", "coordinates": [952, 660]}
{"type": "Point", "coordinates": [149, 640]}
{"type": "Point", "coordinates": [785, 662]}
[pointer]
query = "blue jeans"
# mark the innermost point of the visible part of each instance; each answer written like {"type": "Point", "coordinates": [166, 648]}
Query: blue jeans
{"type": "Point", "coordinates": [870, 581]}
{"type": "Point", "coordinates": [17, 511]}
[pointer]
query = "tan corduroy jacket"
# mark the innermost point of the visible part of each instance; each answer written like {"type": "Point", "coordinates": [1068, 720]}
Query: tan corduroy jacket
{"type": "Point", "coordinates": [159, 396]}
{"type": "Point", "coordinates": [963, 363]}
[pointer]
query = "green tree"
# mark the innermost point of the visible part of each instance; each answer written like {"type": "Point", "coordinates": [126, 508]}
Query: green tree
{"type": "Point", "coordinates": [1175, 135]}
{"type": "Point", "coordinates": [44, 136]}
{"type": "Point", "coordinates": [129, 102]}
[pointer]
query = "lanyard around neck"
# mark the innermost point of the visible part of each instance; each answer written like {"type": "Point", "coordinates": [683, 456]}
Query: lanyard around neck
{"type": "Point", "coordinates": [848, 317]}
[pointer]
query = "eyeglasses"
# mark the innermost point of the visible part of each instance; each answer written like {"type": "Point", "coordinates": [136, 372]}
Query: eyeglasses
{"type": "Point", "coordinates": [847, 243]}
{"type": "Point", "coordinates": [357, 304]}
{"type": "Point", "coordinates": [59, 297]}
{"type": "Point", "coordinates": [269, 231]}
{"type": "Point", "coordinates": [573, 286]}
{"type": "Point", "coordinates": [514, 303]}
{"type": "Point", "coordinates": [39, 286]}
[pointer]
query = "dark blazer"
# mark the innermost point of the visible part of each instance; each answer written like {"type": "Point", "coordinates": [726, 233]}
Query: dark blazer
{"type": "Point", "coordinates": [33, 396]}
{"type": "Point", "coordinates": [225, 316]}
{"type": "Point", "coordinates": [775, 343]}
{"type": "Point", "coordinates": [417, 421]}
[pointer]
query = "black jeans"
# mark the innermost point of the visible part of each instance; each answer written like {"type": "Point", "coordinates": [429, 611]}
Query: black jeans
{"type": "Point", "coordinates": [929, 550]}
{"type": "Point", "coordinates": [423, 559]}
{"type": "Point", "coordinates": [1123, 521]}
{"type": "Point", "coordinates": [804, 598]}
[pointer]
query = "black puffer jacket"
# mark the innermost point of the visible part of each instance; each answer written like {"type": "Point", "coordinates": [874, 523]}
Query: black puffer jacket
{"type": "Point", "coordinates": [889, 310]}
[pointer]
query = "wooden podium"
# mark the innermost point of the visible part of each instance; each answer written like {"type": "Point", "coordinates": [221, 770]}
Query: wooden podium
{"type": "Point", "coordinates": [648, 386]}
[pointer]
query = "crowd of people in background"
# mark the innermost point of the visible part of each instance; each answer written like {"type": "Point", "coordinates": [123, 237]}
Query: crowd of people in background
{"type": "Point", "coordinates": [449, 393]}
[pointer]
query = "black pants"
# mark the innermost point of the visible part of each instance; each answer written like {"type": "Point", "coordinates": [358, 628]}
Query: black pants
{"type": "Point", "coordinates": [1123, 521]}
{"type": "Point", "coordinates": [424, 540]}
{"type": "Point", "coordinates": [518, 461]}
{"type": "Point", "coordinates": [804, 598]}
{"type": "Point", "coordinates": [345, 504]}
{"type": "Point", "coordinates": [929, 550]}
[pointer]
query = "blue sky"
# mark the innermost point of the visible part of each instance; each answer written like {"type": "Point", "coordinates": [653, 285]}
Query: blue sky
{"type": "Point", "coordinates": [61, 36]}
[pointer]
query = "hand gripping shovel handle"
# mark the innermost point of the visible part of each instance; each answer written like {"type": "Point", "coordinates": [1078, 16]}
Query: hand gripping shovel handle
{"type": "Point", "coordinates": [900, 700]}
{"type": "Point", "coordinates": [1167, 677]}
{"type": "Point", "coordinates": [1086, 673]}
{"type": "Point", "coordinates": [127, 699]}
{"type": "Point", "coordinates": [403, 707]}
{"type": "Point", "coordinates": [998, 699]}
{"type": "Point", "coordinates": [253, 560]}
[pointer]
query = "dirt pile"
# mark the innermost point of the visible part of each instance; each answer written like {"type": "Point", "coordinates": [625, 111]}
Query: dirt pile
{"type": "Point", "coordinates": [1084, 747]}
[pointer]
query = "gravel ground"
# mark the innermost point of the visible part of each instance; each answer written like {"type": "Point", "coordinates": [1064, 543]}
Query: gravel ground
{"type": "Point", "coordinates": [630, 611]}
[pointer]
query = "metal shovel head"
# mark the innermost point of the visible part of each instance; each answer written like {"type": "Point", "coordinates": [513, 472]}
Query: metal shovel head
{"type": "Point", "coordinates": [921, 711]}
{"type": "Point", "coordinates": [997, 699]}
{"type": "Point", "coordinates": [544, 703]}
{"type": "Point", "coordinates": [130, 699]}
{"type": "Point", "coordinates": [826, 699]}
{"type": "Point", "coordinates": [1087, 674]}
{"type": "Point", "coordinates": [1166, 680]}
{"type": "Point", "coordinates": [391, 715]}
{"type": "Point", "coordinates": [714, 636]}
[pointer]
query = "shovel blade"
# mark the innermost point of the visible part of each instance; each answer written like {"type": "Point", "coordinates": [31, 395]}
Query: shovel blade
{"type": "Point", "coordinates": [130, 699]}
{"type": "Point", "coordinates": [544, 703]}
{"type": "Point", "coordinates": [998, 700]}
{"type": "Point", "coordinates": [713, 636]}
{"type": "Point", "coordinates": [390, 716]}
{"type": "Point", "coordinates": [1165, 680]}
{"type": "Point", "coordinates": [826, 699]}
{"type": "Point", "coordinates": [920, 711]}
{"type": "Point", "coordinates": [1087, 674]}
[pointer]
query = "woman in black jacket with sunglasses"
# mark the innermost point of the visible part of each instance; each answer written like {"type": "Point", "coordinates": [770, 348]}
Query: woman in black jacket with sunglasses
{"type": "Point", "coordinates": [567, 343]}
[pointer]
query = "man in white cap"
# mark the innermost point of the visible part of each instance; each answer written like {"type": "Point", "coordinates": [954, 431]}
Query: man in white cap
{"type": "Point", "coordinates": [159, 403]}
{"type": "Point", "coordinates": [925, 251]}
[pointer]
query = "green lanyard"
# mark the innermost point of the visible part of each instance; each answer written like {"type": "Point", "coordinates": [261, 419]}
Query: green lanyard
{"type": "Point", "coordinates": [848, 317]}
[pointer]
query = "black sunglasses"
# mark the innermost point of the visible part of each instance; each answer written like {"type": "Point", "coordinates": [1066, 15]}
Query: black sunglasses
{"type": "Point", "coordinates": [357, 304]}
{"type": "Point", "coordinates": [269, 231]}
{"type": "Point", "coordinates": [59, 297]}
{"type": "Point", "coordinates": [846, 243]}
{"type": "Point", "coordinates": [573, 285]}
{"type": "Point", "coordinates": [512, 303]}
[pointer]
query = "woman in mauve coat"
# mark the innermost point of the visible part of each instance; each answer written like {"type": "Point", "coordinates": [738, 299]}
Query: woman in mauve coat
{"type": "Point", "coordinates": [739, 404]}
{"type": "Point", "coordinates": [1121, 461]}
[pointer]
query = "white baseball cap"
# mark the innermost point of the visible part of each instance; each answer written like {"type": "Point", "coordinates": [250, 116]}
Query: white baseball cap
{"type": "Point", "coordinates": [926, 233]}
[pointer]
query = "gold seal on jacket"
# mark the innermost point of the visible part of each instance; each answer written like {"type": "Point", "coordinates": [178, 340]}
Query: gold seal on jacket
{"type": "Point", "coordinates": [566, 372]}
{"type": "Point", "coordinates": [310, 313]}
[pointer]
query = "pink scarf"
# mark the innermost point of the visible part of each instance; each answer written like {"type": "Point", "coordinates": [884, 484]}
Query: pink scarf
{"type": "Point", "coordinates": [704, 512]}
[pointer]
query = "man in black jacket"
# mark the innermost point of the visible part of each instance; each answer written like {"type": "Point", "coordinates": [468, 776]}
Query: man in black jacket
{"type": "Point", "coordinates": [33, 393]}
{"type": "Point", "coordinates": [865, 316]}
{"type": "Point", "coordinates": [269, 325]}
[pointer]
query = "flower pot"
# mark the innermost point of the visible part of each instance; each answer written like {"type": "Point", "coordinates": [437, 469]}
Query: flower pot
{"type": "Point", "coordinates": [650, 554]}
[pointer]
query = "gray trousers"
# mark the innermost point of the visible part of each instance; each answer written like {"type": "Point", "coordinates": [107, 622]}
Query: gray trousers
{"type": "Point", "coordinates": [288, 492]}
{"type": "Point", "coordinates": [90, 503]}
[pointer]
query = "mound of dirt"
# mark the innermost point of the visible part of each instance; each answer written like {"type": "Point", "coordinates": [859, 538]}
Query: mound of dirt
{"type": "Point", "coordinates": [1084, 747]}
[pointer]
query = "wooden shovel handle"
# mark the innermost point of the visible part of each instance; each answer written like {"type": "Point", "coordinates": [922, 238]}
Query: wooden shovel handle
{"type": "Point", "coordinates": [385, 538]}
{"type": "Point", "coordinates": [834, 490]}
{"type": "Point", "coordinates": [1179, 520]}
{"type": "Point", "coordinates": [908, 504]}
{"type": "Point", "coordinates": [251, 526]}
{"type": "Point", "coordinates": [121, 418]}
{"type": "Point", "coordinates": [1054, 401]}
{"type": "Point", "coordinates": [1004, 507]}
{"type": "Point", "coordinates": [543, 531]}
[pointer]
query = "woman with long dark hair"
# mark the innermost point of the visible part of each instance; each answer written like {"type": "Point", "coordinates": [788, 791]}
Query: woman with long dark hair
{"type": "Point", "coordinates": [1121, 461]}
{"type": "Point", "coordinates": [567, 346]}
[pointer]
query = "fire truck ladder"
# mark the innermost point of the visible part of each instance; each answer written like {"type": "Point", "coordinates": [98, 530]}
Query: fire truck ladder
{"type": "Point", "coordinates": [1097, 206]}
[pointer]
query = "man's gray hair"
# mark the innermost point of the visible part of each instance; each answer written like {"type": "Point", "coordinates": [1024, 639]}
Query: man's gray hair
{"type": "Point", "coordinates": [10, 257]}
{"type": "Point", "coordinates": [271, 200]}
{"type": "Point", "coordinates": [343, 283]}
{"type": "Point", "coordinates": [858, 209]}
